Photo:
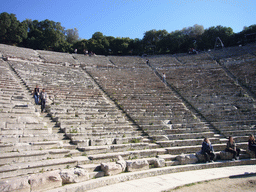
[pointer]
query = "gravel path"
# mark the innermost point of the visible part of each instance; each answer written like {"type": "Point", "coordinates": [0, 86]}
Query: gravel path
{"type": "Point", "coordinates": [236, 184]}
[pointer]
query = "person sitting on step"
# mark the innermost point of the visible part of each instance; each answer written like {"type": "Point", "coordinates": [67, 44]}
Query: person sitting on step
{"type": "Point", "coordinates": [207, 150]}
{"type": "Point", "coordinates": [252, 144]}
{"type": "Point", "coordinates": [231, 147]}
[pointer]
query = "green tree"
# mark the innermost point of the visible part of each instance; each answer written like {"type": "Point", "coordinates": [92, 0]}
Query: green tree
{"type": "Point", "coordinates": [47, 35]}
{"type": "Point", "coordinates": [209, 36]}
{"type": "Point", "coordinates": [98, 43]}
{"type": "Point", "coordinates": [152, 38]}
{"type": "Point", "coordinates": [174, 42]}
{"type": "Point", "coordinates": [81, 46]}
{"type": "Point", "coordinates": [247, 35]}
{"type": "Point", "coordinates": [11, 30]}
{"type": "Point", "coordinates": [135, 46]}
{"type": "Point", "coordinates": [72, 35]}
{"type": "Point", "coordinates": [120, 46]}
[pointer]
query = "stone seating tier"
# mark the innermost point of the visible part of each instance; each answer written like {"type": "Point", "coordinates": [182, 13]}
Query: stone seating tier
{"type": "Point", "coordinates": [188, 142]}
{"type": "Point", "coordinates": [148, 87]}
{"type": "Point", "coordinates": [10, 52]}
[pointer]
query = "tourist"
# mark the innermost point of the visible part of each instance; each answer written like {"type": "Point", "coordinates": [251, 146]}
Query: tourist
{"type": "Point", "coordinates": [43, 97]}
{"type": "Point", "coordinates": [147, 61]}
{"type": "Point", "coordinates": [164, 78]}
{"type": "Point", "coordinates": [231, 147]}
{"type": "Point", "coordinates": [75, 51]}
{"type": "Point", "coordinates": [207, 150]}
{"type": "Point", "coordinates": [252, 144]}
{"type": "Point", "coordinates": [36, 94]}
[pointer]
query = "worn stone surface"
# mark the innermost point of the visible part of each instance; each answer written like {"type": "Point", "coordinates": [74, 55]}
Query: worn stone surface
{"type": "Point", "coordinates": [159, 162]}
{"type": "Point", "coordinates": [187, 159]}
{"type": "Point", "coordinates": [137, 165]}
{"type": "Point", "coordinates": [74, 175]}
{"type": "Point", "coordinates": [250, 153]}
{"type": "Point", "coordinates": [45, 181]}
{"type": "Point", "coordinates": [122, 162]}
{"type": "Point", "coordinates": [200, 157]}
{"type": "Point", "coordinates": [15, 184]}
{"type": "Point", "coordinates": [111, 168]}
{"type": "Point", "coordinates": [226, 155]}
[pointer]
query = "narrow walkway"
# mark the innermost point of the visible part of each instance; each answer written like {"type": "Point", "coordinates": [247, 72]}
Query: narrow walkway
{"type": "Point", "coordinates": [170, 181]}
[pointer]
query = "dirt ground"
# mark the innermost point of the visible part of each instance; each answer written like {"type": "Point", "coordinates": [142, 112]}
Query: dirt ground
{"type": "Point", "coordinates": [236, 184]}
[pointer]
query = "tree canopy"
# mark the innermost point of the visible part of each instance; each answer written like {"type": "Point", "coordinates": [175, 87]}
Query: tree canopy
{"type": "Point", "coordinates": [11, 30]}
{"type": "Point", "coordinates": [50, 35]}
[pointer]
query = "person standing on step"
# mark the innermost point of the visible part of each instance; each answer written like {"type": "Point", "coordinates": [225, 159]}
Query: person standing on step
{"type": "Point", "coordinates": [207, 150]}
{"type": "Point", "coordinates": [36, 95]}
{"type": "Point", "coordinates": [164, 78]}
{"type": "Point", "coordinates": [231, 147]}
{"type": "Point", "coordinates": [252, 144]}
{"type": "Point", "coordinates": [43, 97]}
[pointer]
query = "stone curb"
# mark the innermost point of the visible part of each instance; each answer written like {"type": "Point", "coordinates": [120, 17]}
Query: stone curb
{"type": "Point", "coordinates": [105, 181]}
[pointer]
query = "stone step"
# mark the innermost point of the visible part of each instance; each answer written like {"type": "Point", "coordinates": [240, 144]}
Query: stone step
{"type": "Point", "coordinates": [127, 155]}
{"type": "Point", "coordinates": [191, 135]}
{"type": "Point", "coordinates": [27, 138]}
{"type": "Point", "coordinates": [25, 131]}
{"type": "Point", "coordinates": [186, 130]}
{"type": "Point", "coordinates": [187, 142]}
{"type": "Point", "coordinates": [101, 137]}
{"type": "Point", "coordinates": [116, 148]}
{"type": "Point", "coordinates": [24, 168]}
{"type": "Point", "coordinates": [35, 155]}
{"type": "Point", "coordinates": [163, 137]}
{"type": "Point", "coordinates": [167, 157]}
{"type": "Point", "coordinates": [196, 148]}
{"type": "Point", "coordinates": [91, 167]}
{"type": "Point", "coordinates": [69, 146]}
{"type": "Point", "coordinates": [238, 132]}
{"type": "Point", "coordinates": [101, 182]}
{"type": "Point", "coordinates": [95, 130]}
{"type": "Point", "coordinates": [32, 144]}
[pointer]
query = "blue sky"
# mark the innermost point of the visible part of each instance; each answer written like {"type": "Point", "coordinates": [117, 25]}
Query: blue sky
{"type": "Point", "coordinates": [132, 18]}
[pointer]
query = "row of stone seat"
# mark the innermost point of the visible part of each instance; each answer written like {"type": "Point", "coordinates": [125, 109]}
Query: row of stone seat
{"type": "Point", "coordinates": [243, 69]}
{"type": "Point", "coordinates": [227, 102]}
{"type": "Point", "coordinates": [134, 148]}
{"type": "Point", "coordinates": [228, 52]}
{"type": "Point", "coordinates": [78, 105]}
{"type": "Point", "coordinates": [56, 57]}
{"type": "Point", "coordinates": [19, 121]}
{"type": "Point", "coordinates": [26, 139]}
{"type": "Point", "coordinates": [28, 145]}
{"type": "Point", "coordinates": [9, 52]}
{"type": "Point", "coordinates": [148, 110]}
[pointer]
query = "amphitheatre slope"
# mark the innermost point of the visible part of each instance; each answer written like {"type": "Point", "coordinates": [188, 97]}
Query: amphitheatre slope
{"type": "Point", "coordinates": [114, 116]}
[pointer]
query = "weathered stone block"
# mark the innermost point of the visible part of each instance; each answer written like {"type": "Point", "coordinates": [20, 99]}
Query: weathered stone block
{"type": "Point", "coordinates": [159, 162]}
{"type": "Point", "coordinates": [122, 162]}
{"type": "Point", "coordinates": [27, 119]}
{"type": "Point", "coordinates": [137, 165]}
{"type": "Point", "coordinates": [200, 157]}
{"type": "Point", "coordinates": [15, 184]}
{"type": "Point", "coordinates": [111, 168]}
{"type": "Point", "coordinates": [226, 155]}
{"type": "Point", "coordinates": [187, 159]}
{"type": "Point", "coordinates": [81, 143]}
{"type": "Point", "coordinates": [74, 175]}
{"type": "Point", "coordinates": [250, 153]}
{"type": "Point", "coordinates": [45, 181]}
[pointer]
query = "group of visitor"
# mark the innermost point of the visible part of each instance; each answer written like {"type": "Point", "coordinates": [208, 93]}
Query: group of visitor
{"type": "Point", "coordinates": [40, 97]}
{"type": "Point", "coordinates": [208, 152]}
{"type": "Point", "coordinates": [85, 52]}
